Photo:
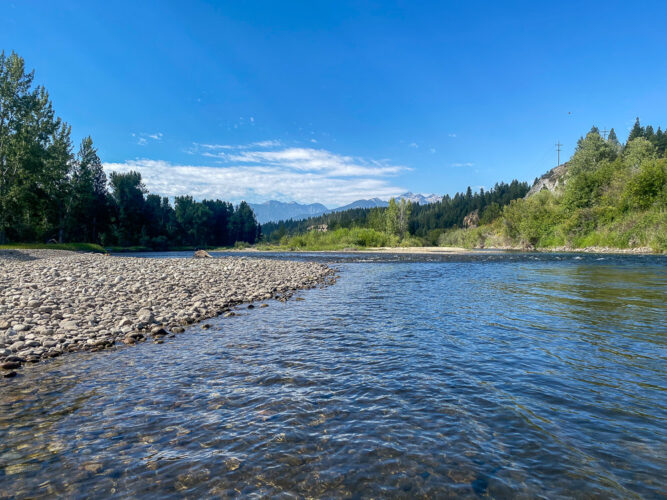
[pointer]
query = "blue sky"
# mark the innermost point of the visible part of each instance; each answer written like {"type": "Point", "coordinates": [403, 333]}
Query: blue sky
{"type": "Point", "coordinates": [335, 101]}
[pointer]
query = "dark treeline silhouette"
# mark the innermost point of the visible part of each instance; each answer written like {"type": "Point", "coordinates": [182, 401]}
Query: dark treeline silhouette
{"type": "Point", "coordinates": [49, 193]}
{"type": "Point", "coordinates": [425, 221]}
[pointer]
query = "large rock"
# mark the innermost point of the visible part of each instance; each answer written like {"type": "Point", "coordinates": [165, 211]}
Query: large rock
{"type": "Point", "coordinates": [202, 254]}
{"type": "Point", "coordinates": [472, 219]}
{"type": "Point", "coordinates": [146, 316]}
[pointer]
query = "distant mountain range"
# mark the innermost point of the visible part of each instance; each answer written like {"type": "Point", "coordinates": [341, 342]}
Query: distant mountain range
{"type": "Point", "coordinates": [274, 211]}
{"type": "Point", "coordinates": [420, 199]}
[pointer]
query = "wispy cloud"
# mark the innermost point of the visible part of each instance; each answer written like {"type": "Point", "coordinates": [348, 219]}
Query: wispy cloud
{"type": "Point", "coordinates": [268, 170]}
{"type": "Point", "coordinates": [466, 164]}
{"type": "Point", "coordinates": [413, 145]}
{"type": "Point", "coordinates": [143, 138]}
{"type": "Point", "coordinates": [452, 135]}
{"type": "Point", "coordinates": [202, 148]}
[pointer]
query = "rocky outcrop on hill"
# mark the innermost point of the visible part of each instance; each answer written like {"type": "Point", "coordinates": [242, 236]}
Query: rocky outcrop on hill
{"type": "Point", "coordinates": [552, 180]}
{"type": "Point", "coordinates": [472, 219]}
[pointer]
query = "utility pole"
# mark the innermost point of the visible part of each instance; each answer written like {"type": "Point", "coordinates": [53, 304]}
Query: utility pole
{"type": "Point", "coordinates": [604, 134]}
{"type": "Point", "coordinates": [558, 146]}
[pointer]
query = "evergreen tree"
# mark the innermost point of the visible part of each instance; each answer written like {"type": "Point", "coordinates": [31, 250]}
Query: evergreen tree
{"type": "Point", "coordinates": [649, 134]}
{"type": "Point", "coordinates": [33, 154]}
{"type": "Point", "coordinates": [128, 205]}
{"type": "Point", "coordinates": [660, 142]}
{"type": "Point", "coordinates": [88, 206]}
{"type": "Point", "coordinates": [637, 131]}
{"type": "Point", "coordinates": [244, 225]}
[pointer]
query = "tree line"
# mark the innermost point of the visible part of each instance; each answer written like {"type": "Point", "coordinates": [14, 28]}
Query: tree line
{"type": "Point", "coordinates": [402, 218]}
{"type": "Point", "coordinates": [47, 192]}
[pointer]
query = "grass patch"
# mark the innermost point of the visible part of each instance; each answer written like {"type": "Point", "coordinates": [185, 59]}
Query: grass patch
{"type": "Point", "coordinates": [74, 247]}
{"type": "Point", "coordinates": [354, 238]}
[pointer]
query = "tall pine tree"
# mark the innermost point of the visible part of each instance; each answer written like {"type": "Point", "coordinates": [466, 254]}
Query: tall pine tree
{"type": "Point", "coordinates": [637, 131]}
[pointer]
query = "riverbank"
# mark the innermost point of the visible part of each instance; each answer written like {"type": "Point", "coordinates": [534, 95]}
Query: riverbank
{"type": "Point", "coordinates": [73, 247]}
{"type": "Point", "coordinates": [455, 250]}
{"type": "Point", "coordinates": [56, 302]}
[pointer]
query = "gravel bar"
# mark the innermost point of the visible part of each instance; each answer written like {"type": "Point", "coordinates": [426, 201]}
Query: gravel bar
{"type": "Point", "coordinates": [56, 302]}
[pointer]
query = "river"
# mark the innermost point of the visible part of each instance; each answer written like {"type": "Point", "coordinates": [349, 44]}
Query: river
{"type": "Point", "coordinates": [501, 375]}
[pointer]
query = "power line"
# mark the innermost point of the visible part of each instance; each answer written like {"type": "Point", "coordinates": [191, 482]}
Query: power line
{"type": "Point", "coordinates": [558, 146]}
{"type": "Point", "coordinates": [604, 134]}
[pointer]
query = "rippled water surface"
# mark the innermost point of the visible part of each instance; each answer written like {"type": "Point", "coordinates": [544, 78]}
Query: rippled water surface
{"type": "Point", "coordinates": [493, 375]}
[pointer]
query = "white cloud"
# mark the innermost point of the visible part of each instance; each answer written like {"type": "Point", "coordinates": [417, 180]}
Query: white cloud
{"type": "Point", "coordinates": [414, 145]}
{"type": "Point", "coordinates": [142, 138]}
{"type": "Point", "coordinates": [451, 135]}
{"type": "Point", "coordinates": [318, 160]}
{"type": "Point", "coordinates": [466, 164]}
{"type": "Point", "coordinates": [215, 147]}
{"type": "Point", "coordinates": [249, 172]}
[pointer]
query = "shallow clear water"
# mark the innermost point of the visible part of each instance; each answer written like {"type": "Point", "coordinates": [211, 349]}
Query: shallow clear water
{"type": "Point", "coordinates": [492, 375]}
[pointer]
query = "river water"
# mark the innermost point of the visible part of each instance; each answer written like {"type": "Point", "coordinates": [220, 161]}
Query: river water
{"type": "Point", "coordinates": [494, 375]}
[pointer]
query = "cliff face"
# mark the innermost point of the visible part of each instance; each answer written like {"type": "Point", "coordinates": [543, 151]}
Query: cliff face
{"type": "Point", "coordinates": [551, 180]}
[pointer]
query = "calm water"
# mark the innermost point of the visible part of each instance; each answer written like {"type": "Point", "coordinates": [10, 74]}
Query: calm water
{"type": "Point", "coordinates": [494, 375]}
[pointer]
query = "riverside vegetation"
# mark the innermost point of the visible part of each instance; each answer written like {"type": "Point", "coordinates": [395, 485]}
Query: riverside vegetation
{"type": "Point", "coordinates": [55, 302]}
{"type": "Point", "coordinates": [400, 224]}
{"type": "Point", "coordinates": [607, 196]}
{"type": "Point", "coordinates": [49, 193]}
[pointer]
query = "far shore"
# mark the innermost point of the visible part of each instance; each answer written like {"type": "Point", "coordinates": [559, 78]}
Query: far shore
{"type": "Point", "coordinates": [453, 250]}
{"type": "Point", "coordinates": [432, 250]}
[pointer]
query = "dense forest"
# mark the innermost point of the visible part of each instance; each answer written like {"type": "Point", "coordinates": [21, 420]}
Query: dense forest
{"type": "Point", "coordinates": [400, 222]}
{"type": "Point", "coordinates": [47, 192]}
{"type": "Point", "coordinates": [611, 195]}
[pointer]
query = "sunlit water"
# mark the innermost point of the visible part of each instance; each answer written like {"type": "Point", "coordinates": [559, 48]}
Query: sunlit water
{"type": "Point", "coordinates": [495, 375]}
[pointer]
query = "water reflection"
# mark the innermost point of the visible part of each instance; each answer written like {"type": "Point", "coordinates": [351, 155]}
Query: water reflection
{"type": "Point", "coordinates": [488, 376]}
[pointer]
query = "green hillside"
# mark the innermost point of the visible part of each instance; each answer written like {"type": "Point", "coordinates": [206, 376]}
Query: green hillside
{"type": "Point", "coordinates": [609, 195]}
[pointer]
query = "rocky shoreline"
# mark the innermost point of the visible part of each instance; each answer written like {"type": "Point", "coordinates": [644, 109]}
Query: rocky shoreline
{"type": "Point", "coordinates": [54, 302]}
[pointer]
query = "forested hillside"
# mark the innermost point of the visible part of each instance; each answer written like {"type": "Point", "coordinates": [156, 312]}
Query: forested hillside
{"type": "Point", "coordinates": [401, 223]}
{"type": "Point", "coordinates": [608, 194]}
{"type": "Point", "coordinates": [47, 192]}
{"type": "Point", "coordinates": [611, 195]}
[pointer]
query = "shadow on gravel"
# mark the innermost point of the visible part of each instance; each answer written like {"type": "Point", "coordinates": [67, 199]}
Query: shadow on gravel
{"type": "Point", "coordinates": [16, 255]}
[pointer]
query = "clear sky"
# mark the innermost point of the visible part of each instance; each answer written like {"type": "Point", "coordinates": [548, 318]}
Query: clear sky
{"type": "Point", "coordinates": [330, 102]}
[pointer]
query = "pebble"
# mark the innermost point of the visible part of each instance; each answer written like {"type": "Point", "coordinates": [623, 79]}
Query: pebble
{"type": "Point", "coordinates": [56, 302]}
